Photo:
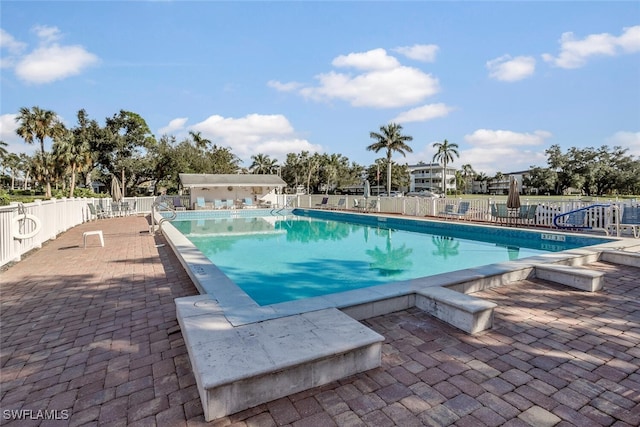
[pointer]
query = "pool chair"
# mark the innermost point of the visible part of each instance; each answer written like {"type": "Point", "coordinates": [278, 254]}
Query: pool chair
{"type": "Point", "coordinates": [463, 210]}
{"type": "Point", "coordinates": [229, 204]}
{"type": "Point", "coordinates": [323, 204]}
{"type": "Point", "coordinates": [372, 206]}
{"type": "Point", "coordinates": [341, 204]}
{"type": "Point", "coordinates": [631, 220]}
{"type": "Point", "coordinates": [528, 214]}
{"type": "Point", "coordinates": [248, 203]}
{"type": "Point", "coordinates": [96, 212]}
{"type": "Point", "coordinates": [177, 204]}
{"type": "Point", "coordinates": [499, 212]}
{"type": "Point", "coordinates": [200, 203]}
{"type": "Point", "coordinates": [356, 205]}
{"type": "Point", "coordinates": [448, 210]}
{"type": "Point", "coordinates": [217, 204]}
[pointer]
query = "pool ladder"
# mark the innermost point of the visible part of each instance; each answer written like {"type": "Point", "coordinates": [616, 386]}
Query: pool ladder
{"type": "Point", "coordinates": [161, 203]}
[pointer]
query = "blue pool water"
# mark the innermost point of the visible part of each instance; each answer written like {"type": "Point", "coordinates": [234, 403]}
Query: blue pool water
{"type": "Point", "coordinates": [276, 259]}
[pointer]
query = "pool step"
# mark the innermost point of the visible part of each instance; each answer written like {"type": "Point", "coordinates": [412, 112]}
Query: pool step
{"type": "Point", "coordinates": [463, 311]}
{"type": "Point", "coordinates": [241, 367]}
{"type": "Point", "coordinates": [631, 259]}
{"type": "Point", "coordinates": [575, 277]}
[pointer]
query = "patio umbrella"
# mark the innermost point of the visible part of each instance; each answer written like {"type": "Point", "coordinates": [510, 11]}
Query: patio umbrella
{"type": "Point", "coordinates": [116, 191]}
{"type": "Point", "coordinates": [513, 200]}
{"type": "Point", "coordinates": [367, 189]}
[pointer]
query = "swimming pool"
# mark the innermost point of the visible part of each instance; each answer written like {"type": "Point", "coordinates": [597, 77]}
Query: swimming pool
{"type": "Point", "coordinates": [312, 253]}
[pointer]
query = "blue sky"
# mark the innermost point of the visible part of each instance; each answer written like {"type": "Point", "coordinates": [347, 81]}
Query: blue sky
{"type": "Point", "coordinates": [503, 80]}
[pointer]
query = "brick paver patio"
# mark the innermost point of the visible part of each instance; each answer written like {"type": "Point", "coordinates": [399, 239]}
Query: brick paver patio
{"type": "Point", "coordinates": [92, 335]}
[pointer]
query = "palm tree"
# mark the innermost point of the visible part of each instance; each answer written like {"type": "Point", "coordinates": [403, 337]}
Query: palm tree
{"type": "Point", "coordinates": [482, 178]}
{"type": "Point", "coordinates": [3, 151]}
{"type": "Point", "coordinates": [467, 172]}
{"type": "Point", "coordinates": [74, 154]}
{"type": "Point", "coordinates": [38, 124]}
{"type": "Point", "coordinates": [444, 155]}
{"type": "Point", "coordinates": [200, 142]}
{"type": "Point", "coordinates": [391, 139]}
{"type": "Point", "coordinates": [263, 164]}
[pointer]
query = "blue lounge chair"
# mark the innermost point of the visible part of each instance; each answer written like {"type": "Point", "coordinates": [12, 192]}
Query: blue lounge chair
{"type": "Point", "coordinates": [323, 203]}
{"type": "Point", "coordinates": [463, 210]}
{"type": "Point", "coordinates": [217, 204]}
{"type": "Point", "coordinates": [200, 203]}
{"type": "Point", "coordinates": [631, 220]}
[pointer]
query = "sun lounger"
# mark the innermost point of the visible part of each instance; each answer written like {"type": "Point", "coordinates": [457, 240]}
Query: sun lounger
{"type": "Point", "coordinates": [200, 203]}
{"type": "Point", "coordinates": [323, 204]}
{"type": "Point", "coordinates": [631, 220]}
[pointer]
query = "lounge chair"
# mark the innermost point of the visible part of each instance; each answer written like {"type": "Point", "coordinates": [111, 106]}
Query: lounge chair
{"type": "Point", "coordinates": [323, 203]}
{"type": "Point", "coordinates": [356, 205]}
{"type": "Point", "coordinates": [340, 205]}
{"type": "Point", "coordinates": [528, 214]}
{"type": "Point", "coordinates": [96, 212]}
{"type": "Point", "coordinates": [500, 212]}
{"type": "Point", "coordinates": [229, 204]}
{"type": "Point", "coordinates": [177, 204]}
{"type": "Point", "coordinates": [248, 203]}
{"type": "Point", "coordinates": [372, 206]}
{"type": "Point", "coordinates": [631, 220]}
{"type": "Point", "coordinates": [463, 210]}
{"type": "Point", "coordinates": [448, 210]}
{"type": "Point", "coordinates": [217, 204]}
{"type": "Point", "coordinates": [200, 203]}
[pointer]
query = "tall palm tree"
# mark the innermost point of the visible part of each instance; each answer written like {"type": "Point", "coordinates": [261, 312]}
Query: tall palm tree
{"type": "Point", "coordinates": [3, 150]}
{"type": "Point", "coordinates": [444, 155]}
{"type": "Point", "coordinates": [263, 164]}
{"type": "Point", "coordinates": [467, 172]}
{"type": "Point", "coordinates": [199, 140]}
{"type": "Point", "coordinates": [391, 139]}
{"type": "Point", "coordinates": [74, 155]}
{"type": "Point", "coordinates": [38, 124]}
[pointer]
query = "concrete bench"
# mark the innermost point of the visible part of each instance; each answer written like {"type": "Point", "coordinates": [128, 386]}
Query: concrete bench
{"type": "Point", "coordinates": [631, 259]}
{"type": "Point", "coordinates": [463, 311]}
{"type": "Point", "coordinates": [93, 233]}
{"type": "Point", "coordinates": [244, 366]}
{"type": "Point", "coordinates": [575, 277]}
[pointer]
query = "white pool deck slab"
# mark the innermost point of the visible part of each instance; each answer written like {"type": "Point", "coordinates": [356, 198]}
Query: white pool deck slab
{"type": "Point", "coordinates": [244, 354]}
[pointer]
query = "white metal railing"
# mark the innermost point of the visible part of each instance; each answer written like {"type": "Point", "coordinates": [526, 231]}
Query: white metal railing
{"type": "Point", "coordinates": [599, 218]}
{"type": "Point", "coordinates": [54, 217]}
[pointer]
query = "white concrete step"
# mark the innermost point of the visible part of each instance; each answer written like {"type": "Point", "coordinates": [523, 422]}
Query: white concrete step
{"type": "Point", "coordinates": [240, 367]}
{"type": "Point", "coordinates": [463, 311]}
{"type": "Point", "coordinates": [575, 277]}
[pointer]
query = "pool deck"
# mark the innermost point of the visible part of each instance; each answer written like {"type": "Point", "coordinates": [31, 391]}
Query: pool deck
{"type": "Point", "coordinates": [92, 333]}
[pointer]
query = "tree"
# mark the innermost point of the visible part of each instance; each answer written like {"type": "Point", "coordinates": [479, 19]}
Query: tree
{"type": "Point", "coordinates": [38, 124]}
{"type": "Point", "coordinates": [200, 142]}
{"type": "Point", "coordinates": [263, 164]}
{"type": "Point", "coordinates": [126, 135]}
{"type": "Point", "coordinates": [444, 155]}
{"type": "Point", "coordinates": [391, 139]}
{"type": "Point", "coordinates": [482, 178]}
{"type": "Point", "coordinates": [3, 150]}
{"type": "Point", "coordinates": [467, 174]}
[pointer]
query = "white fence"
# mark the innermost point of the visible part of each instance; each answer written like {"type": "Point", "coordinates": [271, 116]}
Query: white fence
{"type": "Point", "coordinates": [54, 216]}
{"type": "Point", "coordinates": [58, 215]}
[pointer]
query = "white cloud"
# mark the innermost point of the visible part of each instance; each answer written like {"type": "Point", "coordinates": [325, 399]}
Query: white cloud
{"type": "Point", "coordinates": [254, 134]}
{"type": "Point", "coordinates": [504, 151]}
{"type": "Point", "coordinates": [396, 87]}
{"type": "Point", "coordinates": [424, 113]}
{"type": "Point", "coordinates": [175, 125]}
{"type": "Point", "coordinates": [50, 61]}
{"type": "Point", "coordinates": [376, 59]}
{"type": "Point", "coordinates": [630, 140]}
{"type": "Point", "coordinates": [574, 53]}
{"type": "Point", "coordinates": [8, 126]}
{"type": "Point", "coordinates": [508, 69]}
{"type": "Point", "coordinates": [419, 52]}
{"type": "Point", "coordinates": [381, 82]}
{"type": "Point", "coordinates": [11, 44]}
{"type": "Point", "coordinates": [284, 87]}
